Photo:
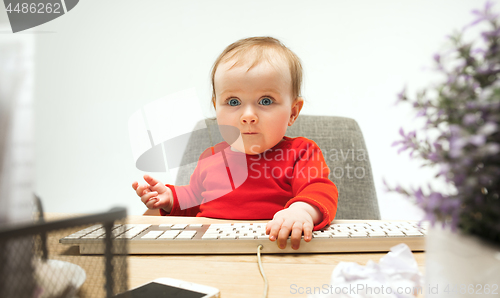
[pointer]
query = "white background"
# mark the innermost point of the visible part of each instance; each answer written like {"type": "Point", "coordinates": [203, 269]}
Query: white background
{"type": "Point", "coordinates": [104, 60]}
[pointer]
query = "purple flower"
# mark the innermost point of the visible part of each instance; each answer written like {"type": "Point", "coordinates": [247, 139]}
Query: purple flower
{"type": "Point", "coordinates": [469, 119]}
{"type": "Point", "coordinates": [437, 57]}
{"type": "Point", "coordinates": [419, 196]}
{"type": "Point", "coordinates": [481, 18]}
{"type": "Point", "coordinates": [445, 168]}
{"type": "Point", "coordinates": [401, 96]}
{"type": "Point", "coordinates": [456, 145]}
{"type": "Point", "coordinates": [429, 216]}
{"type": "Point", "coordinates": [455, 130]}
{"type": "Point", "coordinates": [488, 5]}
{"type": "Point", "coordinates": [433, 156]}
{"type": "Point", "coordinates": [434, 200]}
{"type": "Point", "coordinates": [462, 114]}
{"type": "Point", "coordinates": [491, 148]}
{"type": "Point", "coordinates": [485, 179]}
{"type": "Point", "coordinates": [459, 179]}
{"type": "Point", "coordinates": [471, 105]}
{"type": "Point", "coordinates": [478, 51]}
{"type": "Point", "coordinates": [488, 129]}
{"type": "Point", "coordinates": [447, 205]}
{"type": "Point", "coordinates": [421, 113]}
{"type": "Point", "coordinates": [487, 35]}
{"type": "Point", "coordinates": [466, 161]}
{"type": "Point", "coordinates": [403, 148]}
{"type": "Point", "coordinates": [477, 140]}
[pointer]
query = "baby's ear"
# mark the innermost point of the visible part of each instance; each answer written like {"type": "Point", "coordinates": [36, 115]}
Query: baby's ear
{"type": "Point", "coordinates": [296, 107]}
{"type": "Point", "coordinates": [213, 102]}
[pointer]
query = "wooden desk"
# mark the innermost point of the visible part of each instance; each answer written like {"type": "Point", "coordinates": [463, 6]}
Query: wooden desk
{"type": "Point", "coordinates": [238, 275]}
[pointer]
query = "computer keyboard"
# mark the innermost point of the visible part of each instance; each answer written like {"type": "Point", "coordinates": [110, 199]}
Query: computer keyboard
{"type": "Point", "coordinates": [244, 238]}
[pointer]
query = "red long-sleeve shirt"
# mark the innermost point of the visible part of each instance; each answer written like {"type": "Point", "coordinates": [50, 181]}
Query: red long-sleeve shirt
{"type": "Point", "coordinates": [233, 185]}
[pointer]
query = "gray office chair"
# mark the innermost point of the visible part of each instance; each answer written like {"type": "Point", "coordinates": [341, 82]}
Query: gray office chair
{"type": "Point", "coordinates": [343, 147]}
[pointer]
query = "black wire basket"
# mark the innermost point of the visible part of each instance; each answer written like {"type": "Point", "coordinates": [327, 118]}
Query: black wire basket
{"type": "Point", "coordinates": [33, 263]}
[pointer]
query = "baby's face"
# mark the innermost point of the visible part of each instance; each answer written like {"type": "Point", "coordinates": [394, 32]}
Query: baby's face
{"type": "Point", "coordinates": [259, 102]}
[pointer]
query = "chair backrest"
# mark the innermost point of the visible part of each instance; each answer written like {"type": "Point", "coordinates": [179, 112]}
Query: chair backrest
{"type": "Point", "coordinates": [343, 146]}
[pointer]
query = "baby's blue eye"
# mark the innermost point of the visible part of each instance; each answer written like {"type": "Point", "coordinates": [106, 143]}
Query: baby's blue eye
{"type": "Point", "coordinates": [234, 102]}
{"type": "Point", "coordinates": [266, 101]}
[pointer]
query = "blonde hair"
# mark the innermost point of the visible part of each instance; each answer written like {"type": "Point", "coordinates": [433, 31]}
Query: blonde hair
{"type": "Point", "coordinates": [261, 47]}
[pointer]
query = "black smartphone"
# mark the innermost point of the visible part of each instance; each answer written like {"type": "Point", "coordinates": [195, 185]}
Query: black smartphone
{"type": "Point", "coordinates": [171, 288]}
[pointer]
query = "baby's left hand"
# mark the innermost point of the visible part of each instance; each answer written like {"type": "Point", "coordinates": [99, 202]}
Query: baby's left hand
{"type": "Point", "coordinates": [294, 219]}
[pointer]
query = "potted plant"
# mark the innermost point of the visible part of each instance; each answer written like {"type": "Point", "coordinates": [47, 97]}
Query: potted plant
{"type": "Point", "coordinates": [461, 140]}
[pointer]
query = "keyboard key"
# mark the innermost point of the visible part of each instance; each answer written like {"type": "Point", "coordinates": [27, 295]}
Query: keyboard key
{"type": "Point", "coordinates": [196, 225]}
{"type": "Point", "coordinates": [169, 234]}
{"type": "Point", "coordinates": [152, 235]}
{"type": "Point", "coordinates": [358, 235]}
{"type": "Point", "coordinates": [129, 234]}
{"type": "Point", "coordinates": [341, 233]}
{"type": "Point", "coordinates": [142, 226]}
{"type": "Point", "coordinates": [230, 236]}
{"type": "Point", "coordinates": [246, 237]}
{"type": "Point", "coordinates": [344, 226]}
{"type": "Point", "coordinates": [165, 225]}
{"type": "Point", "coordinates": [117, 231]}
{"type": "Point", "coordinates": [413, 233]}
{"type": "Point", "coordinates": [227, 229]}
{"type": "Point", "coordinates": [340, 236]}
{"type": "Point", "coordinates": [210, 236]}
{"type": "Point", "coordinates": [186, 235]}
{"type": "Point", "coordinates": [95, 234]}
{"type": "Point", "coordinates": [245, 231]}
{"type": "Point", "coordinates": [213, 232]}
{"type": "Point", "coordinates": [178, 227]}
{"type": "Point", "coordinates": [83, 232]}
{"type": "Point", "coordinates": [322, 235]}
{"type": "Point", "coordinates": [359, 230]}
{"type": "Point", "coordinates": [395, 234]}
{"type": "Point", "coordinates": [134, 231]}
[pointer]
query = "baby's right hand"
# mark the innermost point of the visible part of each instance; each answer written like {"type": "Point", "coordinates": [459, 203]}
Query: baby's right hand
{"type": "Point", "coordinates": [154, 194]}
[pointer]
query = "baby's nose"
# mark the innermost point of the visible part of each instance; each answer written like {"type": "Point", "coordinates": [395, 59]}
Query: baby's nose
{"type": "Point", "coordinates": [249, 117]}
{"type": "Point", "coordinates": [249, 120]}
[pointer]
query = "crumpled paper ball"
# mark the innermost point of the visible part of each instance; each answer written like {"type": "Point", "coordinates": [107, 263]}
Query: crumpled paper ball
{"type": "Point", "coordinates": [395, 276]}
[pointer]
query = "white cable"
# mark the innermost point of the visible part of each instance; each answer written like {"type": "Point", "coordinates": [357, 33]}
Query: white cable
{"type": "Point", "coordinates": [262, 270]}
